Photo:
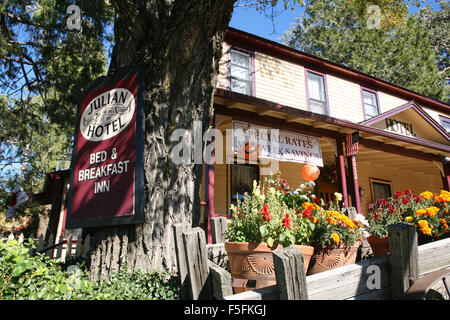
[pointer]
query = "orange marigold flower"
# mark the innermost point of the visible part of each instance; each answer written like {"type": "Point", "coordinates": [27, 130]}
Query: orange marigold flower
{"type": "Point", "coordinates": [426, 230]}
{"type": "Point", "coordinates": [422, 224]}
{"type": "Point", "coordinates": [331, 220]}
{"type": "Point", "coordinates": [336, 237]}
{"type": "Point", "coordinates": [421, 212]}
{"type": "Point", "coordinates": [443, 221]}
{"type": "Point", "coordinates": [431, 211]}
{"type": "Point", "coordinates": [438, 199]}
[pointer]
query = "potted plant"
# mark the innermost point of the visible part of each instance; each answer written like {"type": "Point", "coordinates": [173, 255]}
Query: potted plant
{"type": "Point", "coordinates": [381, 214]}
{"type": "Point", "coordinates": [336, 238]}
{"type": "Point", "coordinates": [260, 224]}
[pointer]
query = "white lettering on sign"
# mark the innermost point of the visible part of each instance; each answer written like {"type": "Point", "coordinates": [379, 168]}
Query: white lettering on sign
{"type": "Point", "coordinates": [107, 114]}
{"type": "Point", "coordinates": [101, 186]}
{"type": "Point", "coordinates": [102, 171]}
{"type": "Point", "coordinates": [400, 127]}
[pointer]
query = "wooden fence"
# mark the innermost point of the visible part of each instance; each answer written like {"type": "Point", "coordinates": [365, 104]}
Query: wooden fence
{"type": "Point", "coordinates": [56, 249]}
{"type": "Point", "coordinates": [204, 274]}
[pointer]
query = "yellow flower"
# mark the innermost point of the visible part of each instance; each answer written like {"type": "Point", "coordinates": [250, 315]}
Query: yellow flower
{"type": "Point", "coordinates": [336, 237]}
{"type": "Point", "coordinates": [426, 230]}
{"type": "Point", "coordinates": [313, 219]}
{"type": "Point", "coordinates": [422, 224]}
{"type": "Point", "coordinates": [445, 196]}
{"type": "Point", "coordinates": [338, 196]}
{"type": "Point", "coordinates": [427, 194]}
{"type": "Point", "coordinates": [431, 211]}
{"type": "Point", "coordinates": [409, 219]}
{"type": "Point", "coordinates": [336, 215]}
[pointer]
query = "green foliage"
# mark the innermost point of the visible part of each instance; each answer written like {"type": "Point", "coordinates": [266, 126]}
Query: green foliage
{"type": "Point", "coordinates": [403, 55]}
{"type": "Point", "coordinates": [24, 277]}
{"type": "Point", "coordinates": [43, 68]}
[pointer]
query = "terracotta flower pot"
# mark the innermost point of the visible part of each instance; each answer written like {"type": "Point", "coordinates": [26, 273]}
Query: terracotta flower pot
{"type": "Point", "coordinates": [251, 264]}
{"type": "Point", "coordinates": [379, 245]}
{"type": "Point", "coordinates": [325, 259]}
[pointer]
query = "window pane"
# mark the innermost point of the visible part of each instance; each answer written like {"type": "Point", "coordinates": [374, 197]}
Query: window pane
{"type": "Point", "coordinates": [318, 106]}
{"type": "Point", "coordinates": [240, 72]}
{"type": "Point", "coordinates": [242, 177]}
{"type": "Point", "coordinates": [316, 89]}
{"type": "Point", "coordinates": [446, 124]}
{"type": "Point", "coordinates": [381, 190]}
{"type": "Point", "coordinates": [370, 104]}
{"type": "Point", "coordinates": [241, 86]}
{"type": "Point", "coordinates": [240, 59]}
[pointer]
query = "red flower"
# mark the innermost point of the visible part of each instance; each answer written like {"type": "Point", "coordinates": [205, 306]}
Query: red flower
{"type": "Point", "coordinates": [287, 221]}
{"type": "Point", "coordinates": [417, 199]}
{"type": "Point", "coordinates": [376, 215]}
{"type": "Point", "coordinates": [316, 200]}
{"type": "Point", "coordinates": [265, 213]}
{"type": "Point", "coordinates": [398, 194]}
{"type": "Point", "coordinates": [405, 200]}
{"type": "Point", "coordinates": [391, 209]}
{"type": "Point", "coordinates": [307, 212]}
{"type": "Point", "coordinates": [407, 191]}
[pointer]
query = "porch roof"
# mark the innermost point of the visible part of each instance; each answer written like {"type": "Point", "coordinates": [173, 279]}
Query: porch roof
{"type": "Point", "coordinates": [264, 112]}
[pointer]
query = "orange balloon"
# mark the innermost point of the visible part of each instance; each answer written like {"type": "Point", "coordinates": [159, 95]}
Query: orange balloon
{"type": "Point", "coordinates": [310, 172]}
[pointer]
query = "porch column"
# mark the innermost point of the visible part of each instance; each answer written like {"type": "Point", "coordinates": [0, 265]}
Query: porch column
{"type": "Point", "coordinates": [354, 174]}
{"type": "Point", "coordinates": [340, 171]}
{"type": "Point", "coordinates": [209, 188]}
{"type": "Point", "coordinates": [209, 185]}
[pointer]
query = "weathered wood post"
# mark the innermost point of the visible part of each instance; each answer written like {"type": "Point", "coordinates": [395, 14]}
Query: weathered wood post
{"type": "Point", "coordinates": [219, 226]}
{"type": "Point", "coordinates": [403, 258]}
{"type": "Point", "coordinates": [290, 274]}
{"type": "Point", "coordinates": [180, 252]}
{"type": "Point", "coordinates": [197, 264]}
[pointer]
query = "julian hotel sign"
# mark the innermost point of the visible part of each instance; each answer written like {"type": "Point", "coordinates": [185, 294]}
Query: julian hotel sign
{"type": "Point", "coordinates": [106, 182]}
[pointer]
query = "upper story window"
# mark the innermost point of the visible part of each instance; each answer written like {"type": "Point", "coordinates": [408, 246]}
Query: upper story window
{"type": "Point", "coordinates": [370, 103]}
{"type": "Point", "coordinates": [316, 93]}
{"type": "Point", "coordinates": [445, 123]}
{"type": "Point", "coordinates": [241, 75]}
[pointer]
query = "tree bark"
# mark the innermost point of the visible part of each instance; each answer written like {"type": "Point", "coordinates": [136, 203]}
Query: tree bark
{"type": "Point", "coordinates": [180, 43]}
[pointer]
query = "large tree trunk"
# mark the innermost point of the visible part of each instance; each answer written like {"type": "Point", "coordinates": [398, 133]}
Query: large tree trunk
{"type": "Point", "coordinates": [180, 42]}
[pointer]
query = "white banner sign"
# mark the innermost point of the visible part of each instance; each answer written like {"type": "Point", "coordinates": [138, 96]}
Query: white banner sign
{"type": "Point", "coordinates": [277, 144]}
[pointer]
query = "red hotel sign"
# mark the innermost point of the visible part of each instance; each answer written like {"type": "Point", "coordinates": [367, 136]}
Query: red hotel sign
{"type": "Point", "coordinates": [106, 183]}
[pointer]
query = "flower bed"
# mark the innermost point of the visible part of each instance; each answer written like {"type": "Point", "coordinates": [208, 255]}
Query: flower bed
{"type": "Point", "coordinates": [427, 211]}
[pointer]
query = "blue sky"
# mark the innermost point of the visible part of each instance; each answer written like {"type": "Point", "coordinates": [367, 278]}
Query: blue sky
{"type": "Point", "coordinates": [249, 20]}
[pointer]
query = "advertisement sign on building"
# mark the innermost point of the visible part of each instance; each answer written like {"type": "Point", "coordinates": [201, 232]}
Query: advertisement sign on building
{"type": "Point", "coordinates": [278, 144]}
{"type": "Point", "coordinates": [107, 172]}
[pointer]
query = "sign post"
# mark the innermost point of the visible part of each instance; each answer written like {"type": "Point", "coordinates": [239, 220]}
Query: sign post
{"type": "Point", "coordinates": [107, 170]}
